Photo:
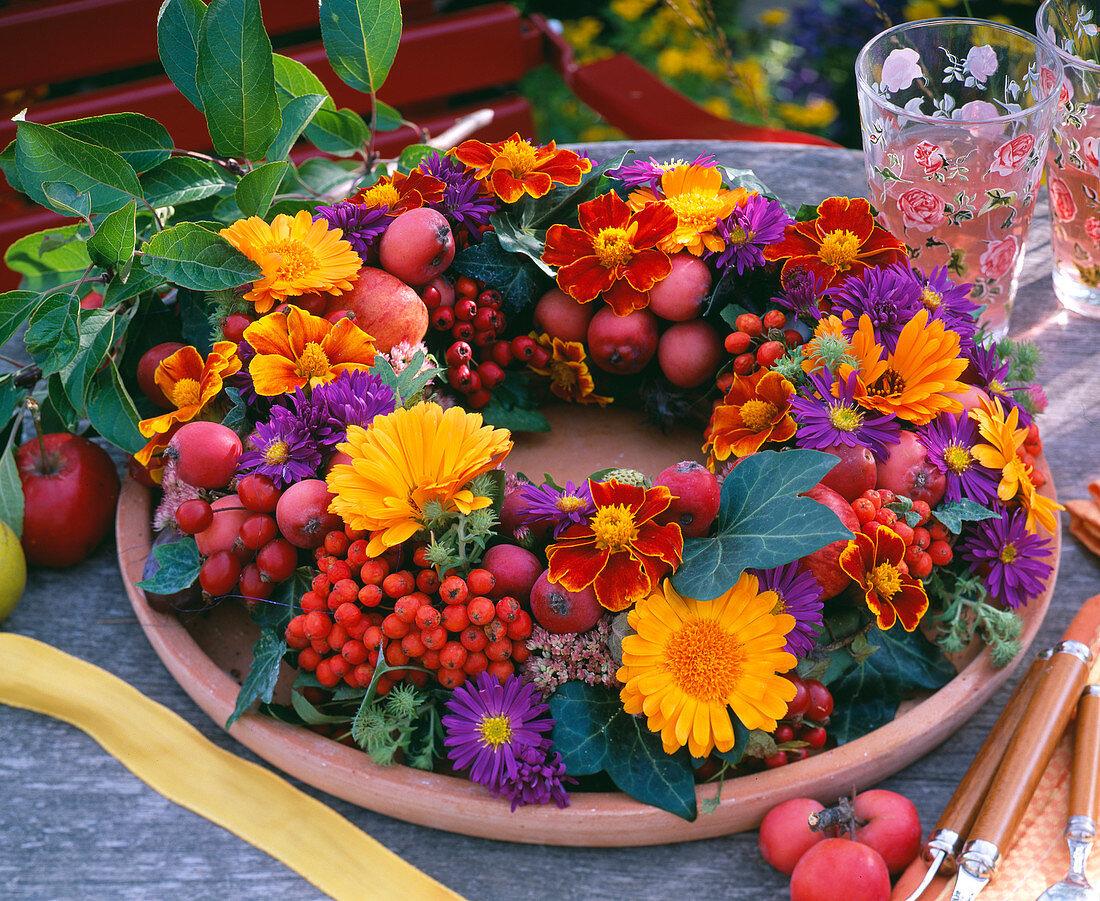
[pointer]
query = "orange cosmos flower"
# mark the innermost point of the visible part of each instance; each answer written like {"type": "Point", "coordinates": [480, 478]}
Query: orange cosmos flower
{"type": "Point", "coordinates": [843, 240]}
{"type": "Point", "coordinates": [296, 349]}
{"type": "Point", "coordinates": [569, 376]}
{"type": "Point", "coordinates": [614, 252]}
{"type": "Point", "coordinates": [190, 383]}
{"type": "Point", "coordinates": [696, 195]}
{"type": "Point", "coordinates": [297, 256]}
{"type": "Point", "coordinates": [515, 167]}
{"type": "Point", "coordinates": [401, 193]}
{"type": "Point", "coordinates": [891, 595]}
{"type": "Point", "coordinates": [755, 410]}
{"type": "Point", "coordinates": [621, 552]}
{"type": "Point", "coordinates": [912, 382]}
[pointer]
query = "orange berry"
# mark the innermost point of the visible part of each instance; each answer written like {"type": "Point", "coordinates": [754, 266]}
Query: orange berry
{"type": "Point", "coordinates": [452, 655]}
{"type": "Point", "coordinates": [455, 618]}
{"type": "Point", "coordinates": [427, 580]}
{"type": "Point", "coordinates": [373, 572]}
{"type": "Point", "coordinates": [451, 678]}
{"type": "Point", "coordinates": [354, 652]}
{"type": "Point", "coordinates": [336, 637]}
{"type": "Point", "coordinates": [372, 638]}
{"type": "Point", "coordinates": [499, 650]}
{"type": "Point", "coordinates": [473, 639]}
{"type": "Point", "coordinates": [398, 584]}
{"type": "Point", "coordinates": [508, 609]}
{"type": "Point", "coordinates": [363, 674]}
{"type": "Point", "coordinates": [395, 655]}
{"type": "Point", "coordinates": [495, 629]}
{"type": "Point", "coordinates": [404, 608]}
{"type": "Point", "coordinates": [413, 644]}
{"type": "Point", "coordinates": [434, 638]}
{"type": "Point", "coordinates": [453, 590]}
{"type": "Point", "coordinates": [370, 595]}
{"type": "Point", "coordinates": [521, 628]}
{"type": "Point", "coordinates": [481, 610]}
{"type": "Point", "coordinates": [308, 660]}
{"type": "Point", "coordinates": [520, 651]}
{"type": "Point", "coordinates": [427, 617]}
{"type": "Point", "coordinates": [430, 659]}
{"type": "Point", "coordinates": [394, 627]}
{"type": "Point", "coordinates": [476, 662]}
{"type": "Point", "coordinates": [481, 581]}
{"type": "Point", "coordinates": [502, 669]}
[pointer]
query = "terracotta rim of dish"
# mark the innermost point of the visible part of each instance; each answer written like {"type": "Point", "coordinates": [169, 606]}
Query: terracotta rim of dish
{"type": "Point", "coordinates": [593, 819]}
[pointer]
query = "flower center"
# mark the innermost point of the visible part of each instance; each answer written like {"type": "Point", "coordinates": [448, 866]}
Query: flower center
{"type": "Point", "coordinates": [889, 383]}
{"type": "Point", "coordinates": [1007, 554]}
{"type": "Point", "coordinates": [495, 730]}
{"type": "Point", "coordinates": [277, 452]}
{"type": "Point", "coordinates": [932, 300]}
{"type": "Point", "coordinates": [839, 249]}
{"type": "Point", "coordinates": [614, 527]}
{"type": "Point", "coordinates": [845, 419]}
{"type": "Point", "coordinates": [957, 458]}
{"type": "Point", "coordinates": [186, 393]}
{"type": "Point", "coordinates": [886, 580]}
{"type": "Point", "coordinates": [520, 156]}
{"type": "Point", "coordinates": [705, 660]}
{"type": "Point", "coordinates": [995, 387]}
{"type": "Point", "coordinates": [562, 374]}
{"type": "Point", "coordinates": [384, 194]}
{"type": "Point", "coordinates": [738, 235]}
{"type": "Point", "coordinates": [290, 259]}
{"type": "Point", "coordinates": [612, 247]}
{"type": "Point", "coordinates": [313, 363]}
{"type": "Point", "coordinates": [569, 504]}
{"type": "Point", "coordinates": [696, 212]}
{"type": "Point", "coordinates": [757, 414]}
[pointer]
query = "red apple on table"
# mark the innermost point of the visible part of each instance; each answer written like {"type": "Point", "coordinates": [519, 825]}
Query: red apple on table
{"type": "Point", "coordinates": [69, 495]}
{"type": "Point", "coordinates": [891, 827]}
{"type": "Point", "coordinates": [908, 471]}
{"type": "Point", "coordinates": [825, 563]}
{"type": "Point", "coordinates": [854, 474]}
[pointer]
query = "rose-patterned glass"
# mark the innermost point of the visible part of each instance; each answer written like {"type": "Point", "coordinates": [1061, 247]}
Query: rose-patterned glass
{"type": "Point", "coordinates": [1073, 174]}
{"type": "Point", "coordinates": [956, 118]}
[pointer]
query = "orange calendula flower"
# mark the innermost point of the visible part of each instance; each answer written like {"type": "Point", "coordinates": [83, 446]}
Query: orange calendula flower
{"type": "Point", "coordinates": [690, 663]}
{"type": "Point", "coordinates": [569, 376]}
{"type": "Point", "coordinates": [843, 240]}
{"type": "Point", "coordinates": [190, 383]}
{"type": "Point", "coordinates": [696, 195]}
{"type": "Point", "coordinates": [409, 461]}
{"type": "Point", "coordinates": [297, 256]}
{"type": "Point", "coordinates": [914, 381]}
{"type": "Point", "coordinates": [891, 595]}
{"type": "Point", "coordinates": [516, 167]}
{"type": "Point", "coordinates": [614, 252]}
{"type": "Point", "coordinates": [621, 552]}
{"type": "Point", "coordinates": [755, 410]}
{"type": "Point", "coordinates": [296, 349]}
{"type": "Point", "coordinates": [401, 192]}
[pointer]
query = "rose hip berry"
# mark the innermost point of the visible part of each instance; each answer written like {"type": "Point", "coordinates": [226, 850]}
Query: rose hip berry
{"type": "Point", "coordinates": [194, 516]}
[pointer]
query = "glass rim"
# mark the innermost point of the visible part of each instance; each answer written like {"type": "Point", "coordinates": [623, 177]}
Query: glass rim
{"type": "Point", "coordinates": [863, 85]}
{"type": "Point", "coordinates": [1078, 62]}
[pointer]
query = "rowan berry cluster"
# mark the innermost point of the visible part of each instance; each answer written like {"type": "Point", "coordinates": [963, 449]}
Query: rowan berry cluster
{"type": "Point", "coordinates": [757, 343]}
{"type": "Point", "coordinates": [802, 729]}
{"type": "Point", "coordinates": [926, 541]}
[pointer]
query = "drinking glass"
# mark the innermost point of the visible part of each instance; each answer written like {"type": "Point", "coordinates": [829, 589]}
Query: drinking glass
{"type": "Point", "coordinates": [956, 117]}
{"type": "Point", "coordinates": [1073, 174]}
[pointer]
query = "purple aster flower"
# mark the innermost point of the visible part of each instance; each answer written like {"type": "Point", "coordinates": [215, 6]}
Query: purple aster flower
{"type": "Point", "coordinates": [748, 230]}
{"type": "Point", "coordinates": [362, 225]}
{"type": "Point", "coordinates": [801, 292]}
{"type": "Point", "coordinates": [948, 302]}
{"type": "Point", "coordinates": [800, 596]}
{"type": "Point", "coordinates": [992, 374]}
{"type": "Point", "coordinates": [354, 397]}
{"type": "Point", "coordinates": [489, 724]}
{"type": "Point", "coordinates": [540, 777]}
{"type": "Point", "coordinates": [1012, 561]}
{"type": "Point", "coordinates": [949, 440]}
{"type": "Point", "coordinates": [282, 449]}
{"type": "Point", "coordinates": [562, 507]}
{"type": "Point", "coordinates": [889, 297]}
{"type": "Point", "coordinates": [832, 417]}
{"type": "Point", "coordinates": [648, 174]}
{"type": "Point", "coordinates": [462, 201]}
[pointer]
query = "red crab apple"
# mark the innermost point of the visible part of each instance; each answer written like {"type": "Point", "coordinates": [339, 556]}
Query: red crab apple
{"type": "Point", "coordinates": [785, 833]}
{"type": "Point", "coordinates": [825, 563]}
{"type": "Point", "coordinates": [838, 869]}
{"type": "Point", "coordinates": [69, 496]}
{"type": "Point", "coordinates": [891, 827]}
{"type": "Point", "coordinates": [560, 316]}
{"type": "Point", "coordinates": [622, 344]}
{"type": "Point", "coordinates": [690, 353]}
{"type": "Point", "coordinates": [302, 513]}
{"type": "Point", "coordinates": [417, 246]}
{"type": "Point", "coordinates": [385, 308]}
{"type": "Point", "coordinates": [147, 371]}
{"type": "Point", "coordinates": [696, 496]}
{"type": "Point", "coordinates": [559, 611]}
{"type": "Point", "coordinates": [908, 471]}
{"type": "Point", "coordinates": [516, 570]}
{"type": "Point", "coordinates": [854, 474]}
{"type": "Point", "coordinates": [207, 453]}
{"type": "Point", "coordinates": [680, 295]}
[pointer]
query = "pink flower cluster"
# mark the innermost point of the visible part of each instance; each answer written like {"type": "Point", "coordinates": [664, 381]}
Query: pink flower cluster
{"type": "Point", "coordinates": [569, 657]}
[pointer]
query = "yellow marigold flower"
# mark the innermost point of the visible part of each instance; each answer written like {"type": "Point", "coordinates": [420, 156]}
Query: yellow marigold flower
{"type": "Point", "coordinates": [297, 256]}
{"type": "Point", "coordinates": [775, 17]}
{"type": "Point", "coordinates": [408, 459]}
{"type": "Point", "coordinates": [691, 661]}
{"type": "Point", "coordinates": [696, 195]}
{"type": "Point", "coordinates": [570, 378]}
{"type": "Point", "coordinates": [298, 350]}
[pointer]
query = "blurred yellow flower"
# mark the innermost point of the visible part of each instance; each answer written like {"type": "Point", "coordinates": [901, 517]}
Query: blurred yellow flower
{"type": "Point", "coordinates": [580, 33]}
{"type": "Point", "coordinates": [818, 113]}
{"type": "Point", "coordinates": [631, 10]}
{"type": "Point", "coordinates": [672, 62]}
{"type": "Point", "coordinates": [774, 17]}
{"type": "Point", "coordinates": [750, 81]}
{"type": "Point", "coordinates": [719, 106]}
{"type": "Point", "coordinates": [921, 9]}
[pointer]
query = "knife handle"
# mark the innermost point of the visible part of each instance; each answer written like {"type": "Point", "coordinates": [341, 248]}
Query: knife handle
{"type": "Point", "coordinates": [1086, 756]}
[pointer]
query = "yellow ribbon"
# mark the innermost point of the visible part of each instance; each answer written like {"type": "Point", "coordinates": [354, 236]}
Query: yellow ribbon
{"type": "Point", "coordinates": [174, 758]}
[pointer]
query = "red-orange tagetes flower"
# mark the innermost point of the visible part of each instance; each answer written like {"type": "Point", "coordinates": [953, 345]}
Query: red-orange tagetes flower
{"type": "Point", "coordinates": [401, 192]}
{"type": "Point", "coordinates": [614, 253]}
{"type": "Point", "coordinates": [755, 410]}
{"type": "Point", "coordinates": [516, 167]}
{"type": "Point", "coordinates": [621, 552]}
{"type": "Point", "coordinates": [892, 595]}
{"type": "Point", "coordinates": [843, 240]}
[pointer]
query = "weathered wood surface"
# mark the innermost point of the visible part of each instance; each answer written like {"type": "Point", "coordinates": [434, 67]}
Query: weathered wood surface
{"type": "Point", "coordinates": [74, 824]}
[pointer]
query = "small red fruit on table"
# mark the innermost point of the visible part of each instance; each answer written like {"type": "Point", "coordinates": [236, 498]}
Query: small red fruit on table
{"type": "Point", "coordinates": [785, 834]}
{"type": "Point", "coordinates": [838, 869]}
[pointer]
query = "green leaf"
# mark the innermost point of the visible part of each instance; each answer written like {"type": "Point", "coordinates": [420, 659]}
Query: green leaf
{"type": "Point", "coordinates": [386, 118]}
{"type": "Point", "coordinates": [178, 565]}
{"type": "Point", "coordinates": [96, 334]}
{"type": "Point", "coordinates": [139, 282]}
{"type": "Point", "coordinates": [236, 417]}
{"type": "Point", "coordinates": [111, 410]}
{"type": "Point", "coordinates": [45, 267]}
{"type": "Point", "coordinates": [11, 493]}
{"type": "Point", "coordinates": [183, 179]}
{"type": "Point", "coordinates": [112, 245]}
{"type": "Point", "coordinates": [413, 155]}
{"type": "Point", "coordinates": [194, 321]}
{"type": "Point", "coordinates": [516, 235]}
{"type": "Point", "coordinates": [44, 154]}
{"type": "Point", "coordinates": [58, 412]}
{"type": "Point", "coordinates": [236, 79]}
{"type": "Point", "coordinates": [412, 379]}
{"type": "Point", "coordinates": [52, 336]}
{"type": "Point", "coordinates": [322, 176]}
{"type": "Point", "coordinates": [341, 132]}
{"type": "Point", "coordinates": [513, 275]}
{"type": "Point", "coordinates": [594, 733]}
{"type": "Point", "coordinates": [954, 514]}
{"type": "Point", "coordinates": [762, 522]}
{"type": "Point", "coordinates": [16, 308]}
{"type": "Point", "coordinates": [744, 178]}
{"type": "Point", "coordinates": [298, 112]}
{"type": "Point", "coordinates": [178, 25]}
{"type": "Point", "coordinates": [67, 199]}
{"type": "Point", "coordinates": [361, 38]}
{"type": "Point", "coordinates": [516, 419]}
{"type": "Point", "coordinates": [310, 714]}
{"type": "Point", "coordinates": [194, 257]}
{"type": "Point", "coordinates": [141, 141]}
{"type": "Point", "coordinates": [259, 684]}
{"type": "Point", "coordinates": [284, 600]}
{"type": "Point", "coordinates": [257, 189]}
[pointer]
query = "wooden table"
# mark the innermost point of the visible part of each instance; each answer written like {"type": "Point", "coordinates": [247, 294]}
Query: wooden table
{"type": "Point", "coordinates": [74, 824]}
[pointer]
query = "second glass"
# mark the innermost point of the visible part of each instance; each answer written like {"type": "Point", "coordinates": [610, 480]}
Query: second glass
{"type": "Point", "coordinates": [956, 117]}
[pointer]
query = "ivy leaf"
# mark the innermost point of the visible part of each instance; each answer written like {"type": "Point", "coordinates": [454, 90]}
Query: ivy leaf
{"type": "Point", "coordinates": [45, 263]}
{"type": "Point", "coordinates": [361, 38]}
{"type": "Point", "coordinates": [515, 419]}
{"type": "Point", "coordinates": [178, 565]}
{"type": "Point", "coordinates": [513, 275]}
{"type": "Point", "coordinates": [257, 189]}
{"type": "Point", "coordinates": [594, 734]}
{"type": "Point", "coordinates": [113, 243]}
{"type": "Point", "coordinates": [111, 410]}
{"type": "Point", "coordinates": [53, 336]}
{"type": "Point", "coordinates": [954, 514]}
{"type": "Point", "coordinates": [178, 27]}
{"type": "Point", "coordinates": [236, 417]}
{"type": "Point", "coordinates": [16, 308]}
{"type": "Point", "coordinates": [183, 179]}
{"type": "Point", "coordinates": [140, 141]}
{"type": "Point", "coordinates": [761, 522]}
{"type": "Point", "coordinates": [195, 257]}
{"type": "Point", "coordinates": [516, 235]}
{"type": "Point", "coordinates": [259, 684]}
{"type": "Point", "coordinates": [298, 112]}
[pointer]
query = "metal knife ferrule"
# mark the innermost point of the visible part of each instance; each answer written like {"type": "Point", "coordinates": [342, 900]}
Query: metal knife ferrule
{"type": "Point", "coordinates": [979, 858]}
{"type": "Point", "coordinates": [1078, 649]}
{"type": "Point", "coordinates": [1080, 828]}
{"type": "Point", "coordinates": [946, 840]}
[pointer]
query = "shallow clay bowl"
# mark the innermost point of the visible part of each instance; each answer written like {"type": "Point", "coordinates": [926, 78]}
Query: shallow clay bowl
{"type": "Point", "coordinates": [209, 655]}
